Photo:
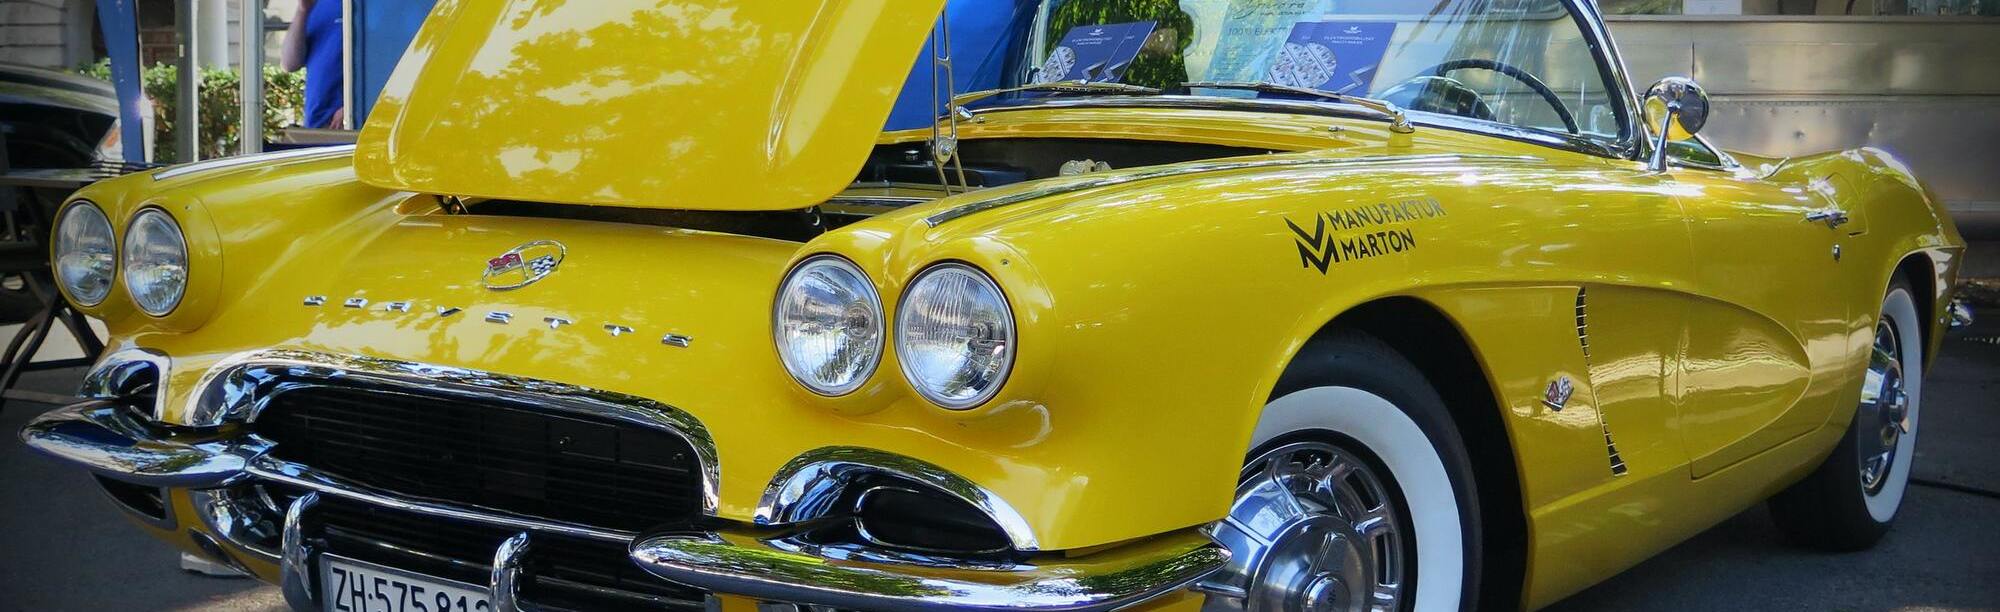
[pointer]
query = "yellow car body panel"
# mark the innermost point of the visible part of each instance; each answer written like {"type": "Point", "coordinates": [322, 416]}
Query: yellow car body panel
{"type": "Point", "coordinates": [573, 103]}
{"type": "Point", "coordinates": [1154, 314]}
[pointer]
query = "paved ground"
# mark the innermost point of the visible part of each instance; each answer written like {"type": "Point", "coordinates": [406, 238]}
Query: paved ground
{"type": "Point", "coordinates": [64, 548]}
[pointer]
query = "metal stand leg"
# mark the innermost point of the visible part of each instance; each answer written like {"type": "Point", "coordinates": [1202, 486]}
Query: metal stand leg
{"type": "Point", "coordinates": [79, 325]}
{"type": "Point", "coordinates": [20, 354]}
{"type": "Point", "coordinates": [21, 349]}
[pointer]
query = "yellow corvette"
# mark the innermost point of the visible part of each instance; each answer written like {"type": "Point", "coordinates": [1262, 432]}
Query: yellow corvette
{"type": "Point", "coordinates": [1198, 304]}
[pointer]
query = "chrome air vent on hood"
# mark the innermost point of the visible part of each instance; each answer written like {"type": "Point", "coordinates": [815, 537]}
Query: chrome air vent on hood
{"type": "Point", "coordinates": [694, 104]}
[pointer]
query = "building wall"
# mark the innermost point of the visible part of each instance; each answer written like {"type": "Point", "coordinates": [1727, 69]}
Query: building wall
{"type": "Point", "coordinates": [1926, 90]}
{"type": "Point", "coordinates": [46, 33]}
{"type": "Point", "coordinates": [63, 33]}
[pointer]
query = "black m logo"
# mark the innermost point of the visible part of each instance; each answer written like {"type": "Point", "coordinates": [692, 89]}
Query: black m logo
{"type": "Point", "coordinates": [1316, 248]}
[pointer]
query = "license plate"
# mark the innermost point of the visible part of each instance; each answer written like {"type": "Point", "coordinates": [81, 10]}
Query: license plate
{"type": "Point", "coordinates": [348, 585]}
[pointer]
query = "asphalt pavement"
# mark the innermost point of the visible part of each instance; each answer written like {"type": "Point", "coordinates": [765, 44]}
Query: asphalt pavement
{"type": "Point", "coordinates": [63, 547]}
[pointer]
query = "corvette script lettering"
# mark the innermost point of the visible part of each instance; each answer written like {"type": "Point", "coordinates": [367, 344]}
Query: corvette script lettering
{"type": "Point", "coordinates": [1362, 232]}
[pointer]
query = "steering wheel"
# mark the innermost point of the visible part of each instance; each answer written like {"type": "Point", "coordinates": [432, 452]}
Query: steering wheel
{"type": "Point", "coordinates": [1549, 95]}
{"type": "Point", "coordinates": [1438, 94]}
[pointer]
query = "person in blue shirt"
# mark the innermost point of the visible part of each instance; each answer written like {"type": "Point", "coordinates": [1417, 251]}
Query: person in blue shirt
{"type": "Point", "coordinates": [314, 43]}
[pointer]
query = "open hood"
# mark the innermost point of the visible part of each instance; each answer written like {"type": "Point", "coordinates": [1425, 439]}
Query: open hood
{"type": "Point", "coordinates": [690, 104]}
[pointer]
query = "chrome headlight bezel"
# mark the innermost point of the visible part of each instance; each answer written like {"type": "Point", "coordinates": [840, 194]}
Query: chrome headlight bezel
{"type": "Point", "coordinates": [130, 268]}
{"type": "Point", "coordinates": [1005, 323]}
{"type": "Point", "coordinates": [63, 247]}
{"type": "Point", "coordinates": [870, 301]}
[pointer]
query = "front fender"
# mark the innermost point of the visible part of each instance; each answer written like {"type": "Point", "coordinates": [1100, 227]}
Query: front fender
{"type": "Point", "coordinates": [1164, 310]}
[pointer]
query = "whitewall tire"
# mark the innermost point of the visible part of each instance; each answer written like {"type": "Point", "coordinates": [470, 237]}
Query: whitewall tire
{"type": "Point", "coordinates": [1357, 493]}
{"type": "Point", "coordinates": [1849, 502]}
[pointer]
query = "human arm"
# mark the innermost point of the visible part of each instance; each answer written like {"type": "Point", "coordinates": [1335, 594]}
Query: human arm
{"type": "Point", "coordinates": [293, 56]}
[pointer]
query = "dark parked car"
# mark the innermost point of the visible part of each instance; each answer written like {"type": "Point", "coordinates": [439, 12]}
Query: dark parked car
{"type": "Point", "coordinates": [51, 119]}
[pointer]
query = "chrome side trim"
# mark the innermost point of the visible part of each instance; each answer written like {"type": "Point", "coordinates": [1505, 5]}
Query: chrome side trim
{"type": "Point", "coordinates": [244, 160]}
{"type": "Point", "coordinates": [238, 388]}
{"type": "Point", "coordinates": [107, 439]}
{"type": "Point", "coordinates": [276, 470]}
{"type": "Point", "coordinates": [808, 486]}
{"type": "Point", "coordinates": [743, 565]}
{"type": "Point", "coordinates": [505, 583]}
{"type": "Point", "coordinates": [295, 562]}
{"type": "Point", "coordinates": [962, 210]}
{"type": "Point", "coordinates": [111, 378]}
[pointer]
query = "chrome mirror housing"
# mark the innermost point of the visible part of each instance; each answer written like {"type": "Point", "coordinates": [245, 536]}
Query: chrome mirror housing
{"type": "Point", "coordinates": [1678, 106]}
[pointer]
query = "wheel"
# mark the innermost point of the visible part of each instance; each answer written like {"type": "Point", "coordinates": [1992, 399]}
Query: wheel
{"type": "Point", "coordinates": [1358, 494]}
{"type": "Point", "coordinates": [1851, 499]}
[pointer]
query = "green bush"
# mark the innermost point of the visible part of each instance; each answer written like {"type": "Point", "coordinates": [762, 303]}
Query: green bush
{"type": "Point", "coordinates": [284, 104]}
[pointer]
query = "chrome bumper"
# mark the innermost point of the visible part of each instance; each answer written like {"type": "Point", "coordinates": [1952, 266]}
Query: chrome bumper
{"type": "Point", "coordinates": [111, 441]}
{"type": "Point", "coordinates": [772, 569]}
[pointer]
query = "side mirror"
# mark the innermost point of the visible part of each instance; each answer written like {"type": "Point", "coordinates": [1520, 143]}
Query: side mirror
{"type": "Point", "coordinates": [1679, 108]}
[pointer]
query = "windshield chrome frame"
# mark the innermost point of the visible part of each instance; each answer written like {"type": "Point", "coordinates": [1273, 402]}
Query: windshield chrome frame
{"type": "Point", "coordinates": [1633, 145]}
{"type": "Point", "coordinates": [1630, 145]}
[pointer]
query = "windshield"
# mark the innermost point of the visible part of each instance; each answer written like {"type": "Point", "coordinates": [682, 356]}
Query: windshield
{"type": "Point", "coordinates": [1524, 63]}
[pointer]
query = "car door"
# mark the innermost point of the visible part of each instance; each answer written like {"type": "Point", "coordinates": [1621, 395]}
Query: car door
{"type": "Point", "coordinates": [1763, 352]}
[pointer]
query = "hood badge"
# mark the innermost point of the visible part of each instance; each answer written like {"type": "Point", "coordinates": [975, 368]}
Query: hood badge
{"type": "Point", "coordinates": [523, 265]}
{"type": "Point", "coordinates": [1558, 394]}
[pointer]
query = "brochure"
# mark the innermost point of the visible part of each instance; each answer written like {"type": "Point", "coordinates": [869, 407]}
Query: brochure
{"type": "Point", "coordinates": [1097, 53]}
{"type": "Point", "coordinates": [1336, 56]}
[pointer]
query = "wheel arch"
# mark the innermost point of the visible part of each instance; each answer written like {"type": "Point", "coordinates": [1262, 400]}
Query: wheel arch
{"type": "Point", "coordinates": [1434, 343]}
{"type": "Point", "coordinates": [1918, 270]}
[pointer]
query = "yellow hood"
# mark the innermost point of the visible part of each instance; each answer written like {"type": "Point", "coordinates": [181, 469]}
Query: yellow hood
{"type": "Point", "coordinates": [691, 104]}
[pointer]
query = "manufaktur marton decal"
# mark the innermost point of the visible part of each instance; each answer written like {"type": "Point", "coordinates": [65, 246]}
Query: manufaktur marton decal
{"type": "Point", "coordinates": [1362, 232]}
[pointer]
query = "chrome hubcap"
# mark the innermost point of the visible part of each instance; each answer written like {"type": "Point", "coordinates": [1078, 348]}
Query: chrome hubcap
{"type": "Point", "coordinates": [1884, 417]}
{"type": "Point", "coordinates": [1313, 528]}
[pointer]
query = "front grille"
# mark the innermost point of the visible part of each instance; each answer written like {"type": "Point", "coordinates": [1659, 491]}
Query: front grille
{"type": "Point", "coordinates": [561, 572]}
{"type": "Point", "coordinates": [489, 454]}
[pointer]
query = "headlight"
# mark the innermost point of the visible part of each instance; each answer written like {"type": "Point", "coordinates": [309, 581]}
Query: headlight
{"type": "Point", "coordinates": [828, 324]}
{"type": "Point", "coordinates": [156, 262]}
{"type": "Point", "coordinates": [955, 336]}
{"type": "Point", "coordinates": [86, 256]}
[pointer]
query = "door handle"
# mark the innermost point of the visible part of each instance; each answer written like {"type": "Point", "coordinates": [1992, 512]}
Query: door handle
{"type": "Point", "coordinates": [1832, 217]}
